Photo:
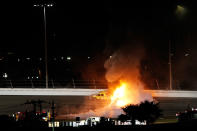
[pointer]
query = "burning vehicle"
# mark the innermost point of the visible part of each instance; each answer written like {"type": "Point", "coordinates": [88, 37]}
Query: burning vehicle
{"type": "Point", "coordinates": [123, 94]}
{"type": "Point", "coordinates": [101, 96]}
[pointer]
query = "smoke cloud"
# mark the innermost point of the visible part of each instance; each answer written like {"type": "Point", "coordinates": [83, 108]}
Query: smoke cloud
{"type": "Point", "coordinates": [122, 65]}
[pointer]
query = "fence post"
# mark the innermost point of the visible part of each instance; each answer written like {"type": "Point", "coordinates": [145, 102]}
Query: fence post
{"type": "Point", "coordinates": [52, 83]}
{"type": "Point", "coordinates": [32, 86]}
{"type": "Point", "coordinates": [73, 82]}
{"type": "Point", "coordinates": [11, 84]}
{"type": "Point", "coordinates": [157, 84]}
{"type": "Point", "coordinates": [94, 83]}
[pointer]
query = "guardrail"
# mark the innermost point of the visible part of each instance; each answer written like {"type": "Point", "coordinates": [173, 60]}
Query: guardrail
{"type": "Point", "coordinates": [90, 84]}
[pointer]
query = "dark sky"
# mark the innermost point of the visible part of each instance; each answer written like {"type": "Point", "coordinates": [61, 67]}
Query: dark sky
{"type": "Point", "coordinates": [88, 27]}
{"type": "Point", "coordinates": [97, 29]}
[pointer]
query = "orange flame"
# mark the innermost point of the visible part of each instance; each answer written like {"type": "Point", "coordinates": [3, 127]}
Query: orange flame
{"type": "Point", "coordinates": [119, 97]}
{"type": "Point", "coordinates": [126, 93]}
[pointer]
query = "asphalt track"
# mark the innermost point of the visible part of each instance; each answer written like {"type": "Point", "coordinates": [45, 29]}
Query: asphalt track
{"type": "Point", "coordinates": [76, 104]}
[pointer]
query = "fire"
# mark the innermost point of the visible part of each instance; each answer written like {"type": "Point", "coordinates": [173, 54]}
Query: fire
{"type": "Point", "coordinates": [119, 96]}
{"type": "Point", "coordinates": [128, 93]}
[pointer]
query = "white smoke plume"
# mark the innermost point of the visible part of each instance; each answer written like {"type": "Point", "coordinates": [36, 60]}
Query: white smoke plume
{"type": "Point", "coordinates": [122, 65]}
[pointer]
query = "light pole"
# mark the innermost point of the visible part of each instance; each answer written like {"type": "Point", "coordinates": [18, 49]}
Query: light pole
{"type": "Point", "coordinates": [44, 6]}
{"type": "Point", "coordinates": [180, 13]}
{"type": "Point", "coordinates": [170, 66]}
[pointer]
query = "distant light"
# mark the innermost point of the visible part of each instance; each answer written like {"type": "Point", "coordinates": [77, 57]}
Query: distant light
{"type": "Point", "coordinates": [62, 57]}
{"type": "Point", "coordinates": [11, 53]}
{"type": "Point", "coordinates": [28, 77]}
{"type": "Point", "coordinates": [18, 60]}
{"type": "Point", "coordinates": [32, 77]}
{"type": "Point", "coordinates": [1, 58]}
{"type": "Point", "coordinates": [55, 58]}
{"type": "Point", "coordinates": [28, 58]}
{"type": "Point", "coordinates": [49, 5]}
{"type": "Point", "coordinates": [180, 11]}
{"type": "Point", "coordinates": [44, 118]}
{"type": "Point", "coordinates": [35, 5]}
{"type": "Point", "coordinates": [37, 77]}
{"type": "Point", "coordinates": [5, 75]}
{"type": "Point", "coordinates": [88, 57]}
{"type": "Point", "coordinates": [41, 5]}
{"type": "Point", "coordinates": [186, 54]}
{"type": "Point", "coordinates": [110, 56]}
{"type": "Point", "coordinates": [68, 58]}
{"type": "Point", "coordinates": [40, 59]}
{"type": "Point", "coordinates": [180, 8]}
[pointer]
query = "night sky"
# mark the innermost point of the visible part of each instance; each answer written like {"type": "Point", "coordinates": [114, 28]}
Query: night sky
{"type": "Point", "coordinates": [88, 26]}
{"type": "Point", "coordinates": [97, 29]}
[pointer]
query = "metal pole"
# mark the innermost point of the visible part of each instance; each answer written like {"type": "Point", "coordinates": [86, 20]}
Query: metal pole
{"type": "Point", "coordinates": [11, 84]}
{"type": "Point", "coordinates": [170, 67]}
{"type": "Point", "coordinates": [32, 86]}
{"type": "Point", "coordinates": [52, 83]}
{"type": "Point", "coordinates": [73, 83]}
{"type": "Point", "coordinates": [94, 84]}
{"type": "Point", "coordinates": [157, 84]}
{"type": "Point", "coordinates": [45, 40]}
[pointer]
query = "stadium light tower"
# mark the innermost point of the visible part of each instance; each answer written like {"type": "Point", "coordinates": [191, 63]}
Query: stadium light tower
{"type": "Point", "coordinates": [44, 6]}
